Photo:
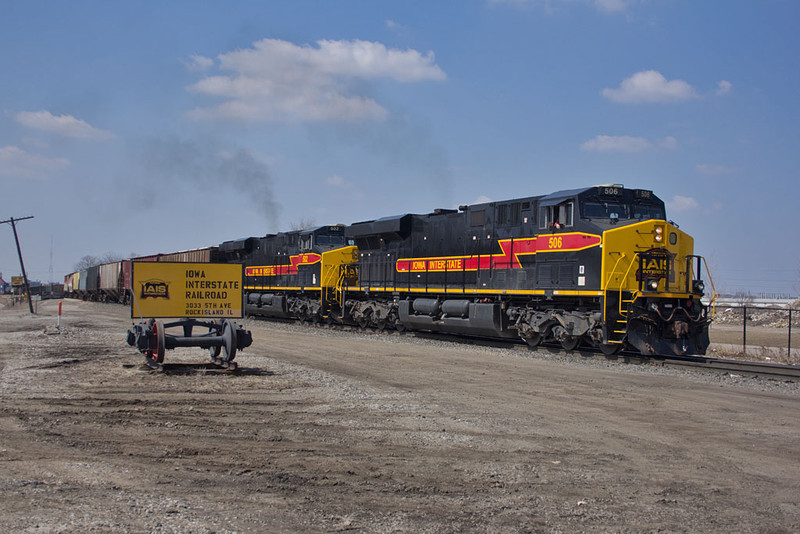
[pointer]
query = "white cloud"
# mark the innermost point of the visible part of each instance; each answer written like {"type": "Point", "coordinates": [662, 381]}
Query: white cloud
{"type": "Point", "coordinates": [198, 63]}
{"type": "Point", "coordinates": [610, 5]}
{"type": "Point", "coordinates": [15, 161]}
{"type": "Point", "coordinates": [668, 143]}
{"type": "Point", "coordinates": [714, 170]}
{"type": "Point", "coordinates": [611, 143]}
{"type": "Point", "coordinates": [64, 125]}
{"type": "Point", "coordinates": [35, 142]}
{"type": "Point", "coordinates": [279, 81]}
{"type": "Point", "coordinates": [650, 86]}
{"type": "Point", "coordinates": [602, 5]}
{"type": "Point", "coordinates": [626, 143]}
{"type": "Point", "coordinates": [724, 87]}
{"type": "Point", "coordinates": [680, 203]}
{"type": "Point", "coordinates": [337, 181]}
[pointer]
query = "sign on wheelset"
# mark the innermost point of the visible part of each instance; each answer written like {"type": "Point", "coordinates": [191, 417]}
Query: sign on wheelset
{"type": "Point", "coordinates": [204, 296]}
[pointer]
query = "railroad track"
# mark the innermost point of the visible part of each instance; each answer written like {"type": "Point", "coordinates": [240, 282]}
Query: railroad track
{"type": "Point", "coordinates": [735, 367]}
{"type": "Point", "coordinates": [772, 371]}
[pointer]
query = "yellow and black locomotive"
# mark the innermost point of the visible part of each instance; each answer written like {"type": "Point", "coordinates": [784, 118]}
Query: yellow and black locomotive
{"type": "Point", "coordinates": [599, 265]}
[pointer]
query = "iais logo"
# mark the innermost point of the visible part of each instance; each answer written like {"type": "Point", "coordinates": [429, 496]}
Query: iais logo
{"type": "Point", "coordinates": [155, 289]}
{"type": "Point", "coordinates": [655, 264]}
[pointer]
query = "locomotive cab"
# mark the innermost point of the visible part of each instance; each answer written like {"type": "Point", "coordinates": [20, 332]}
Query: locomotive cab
{"type": "Point", "coordinates": [286, 274]}
{"type": "Point", "coordinates": [652, 289]}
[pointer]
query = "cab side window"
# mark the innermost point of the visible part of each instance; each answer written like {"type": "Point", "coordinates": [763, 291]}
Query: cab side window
{"type": "Point", "coordinates": [556, 217]}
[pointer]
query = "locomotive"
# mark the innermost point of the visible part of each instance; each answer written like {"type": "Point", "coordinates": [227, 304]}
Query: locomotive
{"type": "Point", "coordinates": [600, 266]}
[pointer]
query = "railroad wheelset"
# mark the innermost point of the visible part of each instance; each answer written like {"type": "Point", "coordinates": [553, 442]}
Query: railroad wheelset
{"type": "Point", "coordinates": [223, 339]}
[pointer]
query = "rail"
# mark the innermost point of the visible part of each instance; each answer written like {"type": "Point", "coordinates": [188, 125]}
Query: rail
{"type": "Point", "coordinates": [736, 367]}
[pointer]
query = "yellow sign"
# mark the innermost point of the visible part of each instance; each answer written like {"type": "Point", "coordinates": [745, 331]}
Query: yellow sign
{"type": "Point", "coordinates": [208, 290]}
{"type": "Point", "coordinates": [17, 281]}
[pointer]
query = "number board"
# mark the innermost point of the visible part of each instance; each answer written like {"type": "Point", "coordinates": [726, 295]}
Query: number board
{"type": "Point", "coordinates": [205, 290]}
{"type": "Point", "coordinates": [610, 191]}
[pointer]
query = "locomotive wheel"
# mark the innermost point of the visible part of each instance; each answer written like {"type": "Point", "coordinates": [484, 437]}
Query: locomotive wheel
{"type": "Point", "coordinates": [570, 343]}
{"type": "Point", "coordinates": [561, 336]}
{"type": "Point", "coordinates": [533, 340]}
{"type": "Point", "coordinates": [229, 341]}
{"type": "Point", "coordinates": [610, 349]}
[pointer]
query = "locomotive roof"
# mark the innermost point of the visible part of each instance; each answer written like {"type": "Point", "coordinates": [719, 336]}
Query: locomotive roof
{"type": "Point", "coordinates": [559, 196]}
{"type": "Point", "coordinates": [396, 224]}
{"type": "Point", "coordinates": [314, 229]}
{"type": "Point", "coordinates": [235, 244]}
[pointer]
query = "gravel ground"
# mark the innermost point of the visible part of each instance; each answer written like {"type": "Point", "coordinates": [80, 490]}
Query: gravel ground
{"type": "Point", "coordinates": [322, 430]}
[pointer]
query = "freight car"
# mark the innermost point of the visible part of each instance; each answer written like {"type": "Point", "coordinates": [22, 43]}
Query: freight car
{"type": "Point", "coordinates": [599, 265]}
{"type": "Point", "coordinates": [111, 282]}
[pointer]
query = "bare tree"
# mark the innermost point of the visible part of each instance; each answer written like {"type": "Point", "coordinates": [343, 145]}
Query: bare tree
{"type": "Point", "coordinates": [111, 257]}
{"type": "Point", "coordinates": [92, 261]}
{"type": "Point", "coordinates": [86, 262]}
{"type": "Point", "coordinates": [743, 298]}
{"type": "Point", "coordinates": [302, 224]}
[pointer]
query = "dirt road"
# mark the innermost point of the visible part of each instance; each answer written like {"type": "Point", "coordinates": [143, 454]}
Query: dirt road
{"type": "Point", "coordinates": [322, 431]}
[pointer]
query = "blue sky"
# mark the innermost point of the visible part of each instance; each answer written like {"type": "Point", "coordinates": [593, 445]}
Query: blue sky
{"type": "Point", "coordinates": [144, 127]}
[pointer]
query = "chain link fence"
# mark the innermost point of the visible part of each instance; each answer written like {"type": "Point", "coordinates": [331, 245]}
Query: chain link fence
{"type": "Point", "coordinates": [769, 333]}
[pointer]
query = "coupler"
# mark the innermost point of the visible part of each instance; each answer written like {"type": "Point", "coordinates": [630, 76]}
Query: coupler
{"type": "Point", "coordinates": [223, 339]}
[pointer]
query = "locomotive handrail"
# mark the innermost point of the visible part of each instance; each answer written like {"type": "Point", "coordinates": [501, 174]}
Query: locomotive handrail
{"type": "Point", "coordinates": [610, 276]}
{"type": "Point", "coordinates": [692, 275]}
{"type": "Point", "coordinates": [714, 295]}
{"type": "Point", "coordinates": [625, 277]}
{"type": "Point", "coordinates": [621, 283]}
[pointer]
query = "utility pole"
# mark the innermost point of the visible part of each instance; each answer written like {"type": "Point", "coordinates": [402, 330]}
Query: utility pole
{"type": "Point", "coordinates": [12, 221]}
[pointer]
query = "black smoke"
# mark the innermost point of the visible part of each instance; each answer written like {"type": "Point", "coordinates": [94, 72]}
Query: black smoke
{"type": "Point", "coordinates": [203, 172]}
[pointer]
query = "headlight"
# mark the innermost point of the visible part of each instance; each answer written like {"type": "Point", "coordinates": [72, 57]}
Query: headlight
{"type": "Point", "coordinates": [652, 285]}
{"type": "Point", "coordinates": [698, 286]}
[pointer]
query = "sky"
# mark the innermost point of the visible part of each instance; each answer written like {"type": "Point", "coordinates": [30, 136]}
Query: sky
{"type": "Point", "coordinates": [158, 126]}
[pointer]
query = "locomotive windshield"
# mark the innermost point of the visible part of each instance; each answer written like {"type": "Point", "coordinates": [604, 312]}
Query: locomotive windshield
{"type": "Point", "coordinates": [605, 210]}
{"type": "Point", "coordinates": [330, 240]}
{"type": "Point", "coordinates": [598, 209]}
{"type": "Point", "coordinates": [644, 212]}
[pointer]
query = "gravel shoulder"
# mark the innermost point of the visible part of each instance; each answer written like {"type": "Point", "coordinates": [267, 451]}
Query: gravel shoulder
{"type": "Point", "coordinates": [322, 430]}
